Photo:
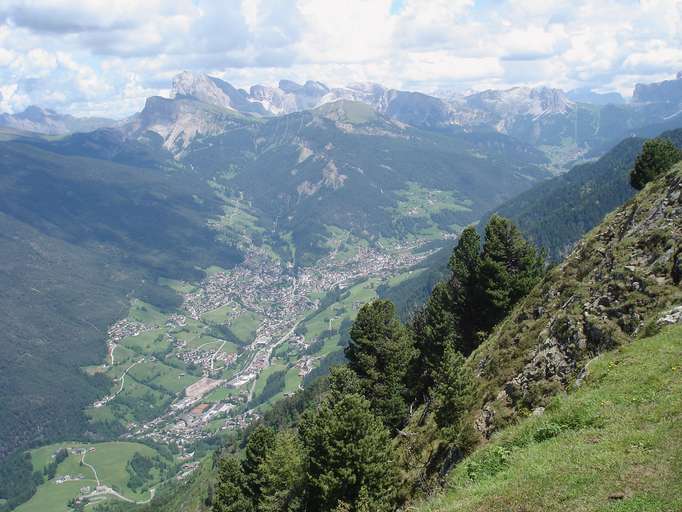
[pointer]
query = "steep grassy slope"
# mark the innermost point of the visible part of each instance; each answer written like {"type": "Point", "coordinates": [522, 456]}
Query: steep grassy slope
{"type": "Point", "coordinates": [621, 273]}
{"type": "Point", "coordinates": [615, 444]}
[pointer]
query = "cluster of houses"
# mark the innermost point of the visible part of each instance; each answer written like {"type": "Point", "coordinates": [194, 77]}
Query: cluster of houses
{"type": "Point", "coordinates": [266, 287]}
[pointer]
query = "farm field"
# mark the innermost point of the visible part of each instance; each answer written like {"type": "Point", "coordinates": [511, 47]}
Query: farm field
{"type": "Point", "coordinates": [110, 460]}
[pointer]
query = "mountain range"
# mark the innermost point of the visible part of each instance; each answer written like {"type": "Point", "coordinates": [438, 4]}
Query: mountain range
{"type": "Point", "coordinates": [187, 185]}
{"type": "Point", "coordinates": [541, 116]}
{"type": "Point", "coordinates": [564, 125]}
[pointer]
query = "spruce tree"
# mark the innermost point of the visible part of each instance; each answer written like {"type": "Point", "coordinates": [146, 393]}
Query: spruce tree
{"type": "Point", "coordinates": [380, 352]}
{"type": "Point", "coordinates": [349, 457]}
{"type": "Point", "coordinates": [229, 491]}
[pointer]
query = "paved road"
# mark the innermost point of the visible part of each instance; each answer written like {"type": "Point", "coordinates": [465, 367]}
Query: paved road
{"type": "Point", "coordinates": [270, 349]}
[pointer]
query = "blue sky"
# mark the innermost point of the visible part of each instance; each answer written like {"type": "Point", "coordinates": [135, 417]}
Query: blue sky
{"type": "Point", "coordinates": [104, 57]}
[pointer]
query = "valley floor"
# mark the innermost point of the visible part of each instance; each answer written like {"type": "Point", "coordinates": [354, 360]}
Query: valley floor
{"type": "Point", "coordinates": [614, 444]}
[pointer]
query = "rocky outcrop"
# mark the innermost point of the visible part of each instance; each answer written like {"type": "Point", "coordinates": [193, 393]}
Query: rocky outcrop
{"type": "Point", "coordinates": [622, 274]}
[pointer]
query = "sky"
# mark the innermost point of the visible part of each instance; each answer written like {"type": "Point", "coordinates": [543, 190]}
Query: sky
{"type": "Point", "coordinates": [105, 57]}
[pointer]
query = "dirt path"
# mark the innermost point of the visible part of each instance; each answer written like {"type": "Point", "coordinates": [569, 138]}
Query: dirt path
{"type": "Point", "coordinates": [91, 467]}
{"type": "Point", "coordinates": [123, 376]}
{"type": "Point", "coordinates": [106, 490]}
{"type": "Point", "coordinates": [207, 343]}
{"type": "Point", "coordinates": [113, 348]}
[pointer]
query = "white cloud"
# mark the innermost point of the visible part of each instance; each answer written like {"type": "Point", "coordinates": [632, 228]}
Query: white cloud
{"type": "Point", "coordinates": [107, 56]}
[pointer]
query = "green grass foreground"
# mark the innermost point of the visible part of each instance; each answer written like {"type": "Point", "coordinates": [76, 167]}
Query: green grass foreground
{"type": "Point", "coordinates": [614, 444]}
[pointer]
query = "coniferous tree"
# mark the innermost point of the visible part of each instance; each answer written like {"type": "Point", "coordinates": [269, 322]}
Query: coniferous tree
{"type": "Point", "coordinates": [260, 442]}
{"type": "Point", "coordinates": [343, 382]}
{"type": "Point", "coordinates": [282, 475]}
{"type": "Point", "coordinates": [453, 393]}
{"type": "Point", "coordinates": [657, 156]}
{"type": "Point", "coordinates": [349, 457]}
{"type": "Point", "coordinates": [465, 264]}
{"type": "Point", "coordinates": [510, 268]}
{"type": "Point", "coordinates": [229, 492]}
{"type": "Point", "coordinates": [380, 352]}
{"type": "Point", "coordinates": [433, 327]}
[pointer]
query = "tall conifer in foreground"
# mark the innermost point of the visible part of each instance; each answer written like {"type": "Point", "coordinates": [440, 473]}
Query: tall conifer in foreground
{"type": "Point", "coordinates": [380, 352]}
{"type": "Point", "coordinates": [349, 458]}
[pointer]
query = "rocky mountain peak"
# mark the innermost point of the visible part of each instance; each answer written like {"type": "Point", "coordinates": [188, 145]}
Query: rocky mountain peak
{"type": "Point", "coordinates": [44, 120]}
{"type": "Point", "coordinates": [522, 101]}
{"type": "Point", "coordinates": [36, 113]}
{"type": "Point", "coordinates": [201, 87]}
{"type": "Point", "coordinates": [313, 88]}
{"type": "Point", "coordinates": [289, 86]}
{"type": "Point", "coordinates": [367, 87]}
{"type": "Point", "coordinates": [668, 91]}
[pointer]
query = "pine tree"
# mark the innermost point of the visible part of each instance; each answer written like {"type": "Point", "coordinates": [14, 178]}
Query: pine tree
{"type": "Point", "coordinates": [453, 393]}
{"type": "Point", "coordinates": [260, 442]}
{"type": "Point", "coordinates": [282, 475]}
{"type": "Point", "coordinates": [229, 492]}
{"type": "Point", "coordinates": [380, 352]}
{"type": "Point", "coordinates": [657, 156]}
{"type": "Point", "coordinates": [347, 450]}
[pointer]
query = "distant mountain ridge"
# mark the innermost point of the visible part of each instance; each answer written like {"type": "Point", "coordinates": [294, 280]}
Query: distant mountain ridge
{"type": "Point", "coordinates": [42, 120]}
{"type": "Point", "coordinates": [572, 123]}
{"type": "Point", "coordinates": [543, 116]}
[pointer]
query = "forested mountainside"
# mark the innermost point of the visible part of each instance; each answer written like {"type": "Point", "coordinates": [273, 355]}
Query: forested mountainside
{"type": "Point", "coordinates": [554, 214]}
{"type": "Point", "coordinates": [622, 281]}
{"type": "Point", "coordinates": [558, 212]}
